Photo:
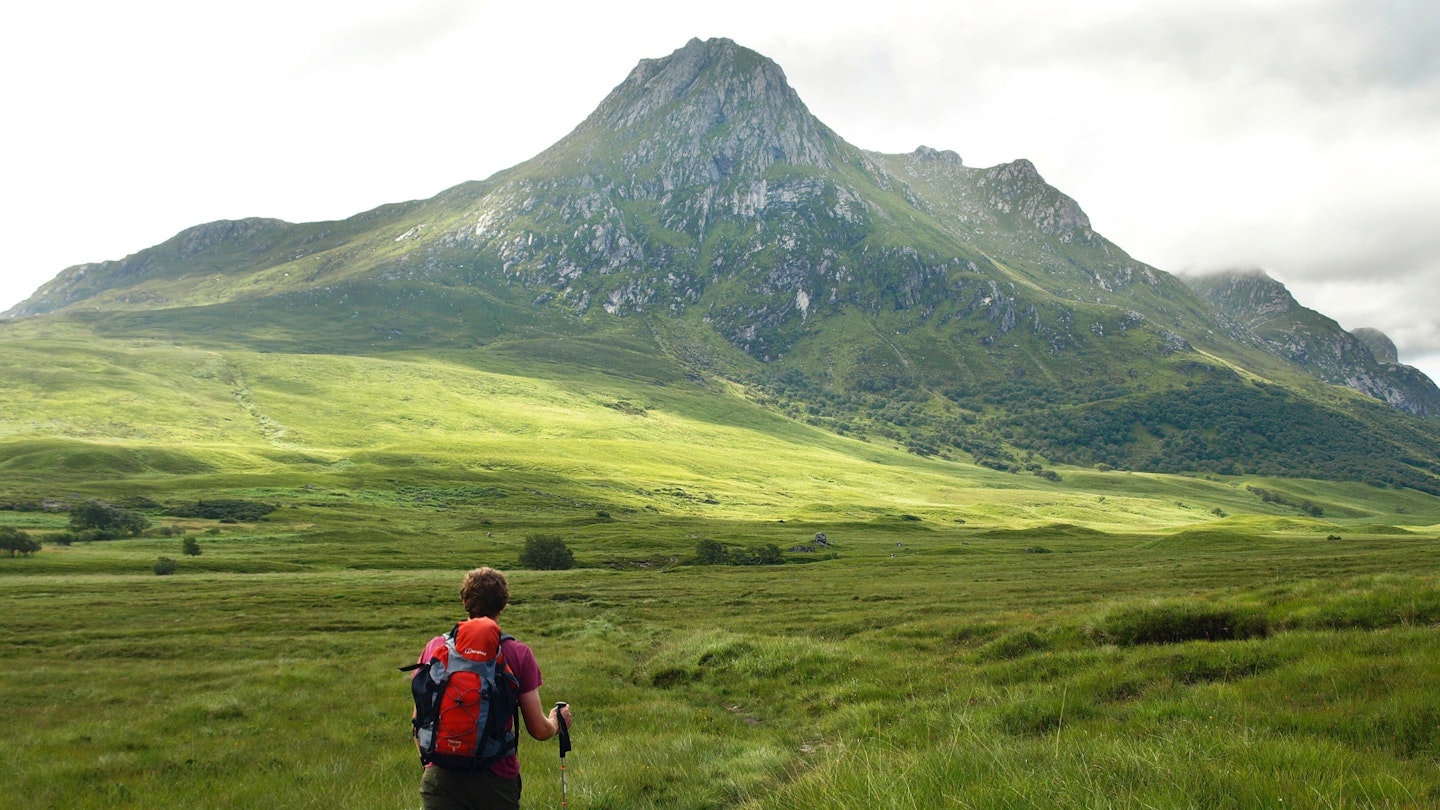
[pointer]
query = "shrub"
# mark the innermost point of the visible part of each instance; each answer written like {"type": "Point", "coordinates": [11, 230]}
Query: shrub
{"type": "Point", "coordinates": [110, 521]}
{"type": "Point", "coordinates": [712, 552]}
{"type": "Point", "coordinates": [226, 510]}
{"type": "Point", "coordinates": [709, 552]}
{"type": "Point", "coordinates": [191, 547]}
{"type": "Point", "coordinates": [546, 553]}
{"type": "Point", "coordinates": [165, 566]}
{"type": "Point", "coordinates": [13, 541]}
{"type": "Point", "coordinates": [767, 554]}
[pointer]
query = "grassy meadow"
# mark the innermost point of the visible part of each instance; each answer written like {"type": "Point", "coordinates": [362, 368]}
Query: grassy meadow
{"type": "Point", "coordinates": [969, 638]}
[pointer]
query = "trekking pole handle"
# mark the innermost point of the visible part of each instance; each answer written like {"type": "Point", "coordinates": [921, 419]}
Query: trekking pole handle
{"type": "Point", "coordinates": [564, 727]}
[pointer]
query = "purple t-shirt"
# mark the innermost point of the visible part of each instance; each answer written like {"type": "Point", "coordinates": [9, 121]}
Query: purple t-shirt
{"type": "Point", "coordinates": [521, 662]}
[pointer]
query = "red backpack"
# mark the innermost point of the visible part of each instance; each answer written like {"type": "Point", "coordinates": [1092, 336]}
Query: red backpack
{"type": "Point", "coordinates": [467, 700]}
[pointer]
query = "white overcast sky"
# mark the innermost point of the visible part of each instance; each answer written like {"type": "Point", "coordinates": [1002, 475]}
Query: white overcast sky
{"type": "Point", "coordinates": [1298, 136]}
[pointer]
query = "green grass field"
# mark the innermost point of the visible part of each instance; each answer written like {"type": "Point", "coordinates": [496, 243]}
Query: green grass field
{"type": "Point", "coordinates": [970, 639]}
{"type": "Point", "coordinates": [967, 670]}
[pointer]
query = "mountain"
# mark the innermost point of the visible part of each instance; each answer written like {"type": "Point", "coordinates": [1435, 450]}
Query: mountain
{"type": "Point", "coordinates": [1365, 360]}
{"type": "Point", "coordinates": [703, 215]}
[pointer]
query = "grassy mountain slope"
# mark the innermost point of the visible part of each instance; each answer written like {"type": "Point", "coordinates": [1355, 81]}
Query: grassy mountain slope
{"type": "Point", "coordinates": [581, 423]}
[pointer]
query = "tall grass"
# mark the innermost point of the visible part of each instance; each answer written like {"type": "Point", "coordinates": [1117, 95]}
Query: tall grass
{"type": "Point", "coordinates": [912, 681]}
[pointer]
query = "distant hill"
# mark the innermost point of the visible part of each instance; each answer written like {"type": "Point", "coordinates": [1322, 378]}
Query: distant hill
{"type": "Point", "coordinates": [703, 211]}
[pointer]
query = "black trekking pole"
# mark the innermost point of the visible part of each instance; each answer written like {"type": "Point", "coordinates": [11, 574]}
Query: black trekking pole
{"type": "Point", "coordinates": [564, 748]}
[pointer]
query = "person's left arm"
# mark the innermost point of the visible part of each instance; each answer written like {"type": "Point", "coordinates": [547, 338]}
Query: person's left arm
{"type": "Point", "coordinates": [541, 726]}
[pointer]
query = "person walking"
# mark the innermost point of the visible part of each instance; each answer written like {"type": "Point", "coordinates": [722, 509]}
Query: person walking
{"type": "Point", "coordinates": [485, 593]}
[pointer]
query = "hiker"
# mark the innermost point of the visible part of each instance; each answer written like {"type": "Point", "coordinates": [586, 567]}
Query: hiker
{"type": "Point", "coordinates": [484, 594]}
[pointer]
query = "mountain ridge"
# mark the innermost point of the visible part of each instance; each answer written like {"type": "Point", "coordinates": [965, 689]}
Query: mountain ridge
{"type": "Point", "coordinates": [1317, 343]}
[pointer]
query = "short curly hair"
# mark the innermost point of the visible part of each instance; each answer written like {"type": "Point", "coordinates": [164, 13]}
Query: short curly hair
{"type": "Point", "coordinates": [484, 593]}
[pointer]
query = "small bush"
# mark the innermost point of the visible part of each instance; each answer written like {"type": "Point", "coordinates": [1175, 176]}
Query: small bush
{"type": "Point", "coordinates": [165, 566]}
{"type": "Point", "coordinates": [13, 541]}
{"type": "Point", "coordinates": [191, 547]}
{"type": "Point", "coordinates": [709, 552]}
{"type": "Point", "coordinates": [546, 553]}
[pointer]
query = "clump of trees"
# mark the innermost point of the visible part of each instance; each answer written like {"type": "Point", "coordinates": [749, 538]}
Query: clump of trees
{"type": "Point", "coordinates": [546, 552]}
{"type": "Point", "coordinates": [97, 520]}
{"type": "Point", "coordinates": [225, 510]}
{"type": "Point", "coordinates": [1221, 425]}
{"type": "Point", "coordinates": [1271, 496]}
{"type": "Point", "coordinates": [13, 542]}
{"type": "Point", "coordinates": [713, 552]}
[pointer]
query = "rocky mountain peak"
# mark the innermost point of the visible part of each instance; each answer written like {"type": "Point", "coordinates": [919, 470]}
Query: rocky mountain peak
{"type": "Point", "coordinates": [1378, 343]}
{"type": "Point", "coordinates": [1017, 187]}
{"type": "Point", "coordinates": [722, 109]}
{"type": "Point", "coordinates": [1248, 295]}
{"type": "Point", "coordinates": [943, 156]}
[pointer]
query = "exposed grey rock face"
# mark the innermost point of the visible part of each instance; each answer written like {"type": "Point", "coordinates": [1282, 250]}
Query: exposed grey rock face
{"type": "Point", "coordinates": [1018, 187]}
{"type": "Point", "coordinates": [1365, 361]}
{"type": "Point", "coordinates": [721, 111]}
{"type": "Point", "coordinates": [945, 156]}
